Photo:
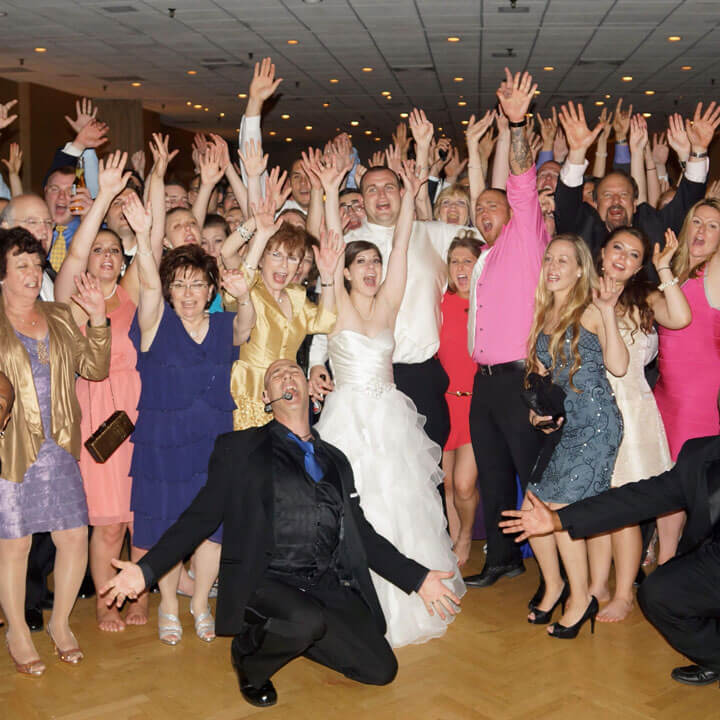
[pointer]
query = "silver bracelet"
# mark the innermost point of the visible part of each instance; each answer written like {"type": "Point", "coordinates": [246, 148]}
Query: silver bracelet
{"type": "Point", "coordinates": [330, 284]}
{"type": "Point", "coordinates": [244, 233]}
{"type": "Point", "coordinates": [243, 304]}
{"type": "Point", "coordinates": [143, 252]}
{"type": "Point", "coordinates": [663, 286]}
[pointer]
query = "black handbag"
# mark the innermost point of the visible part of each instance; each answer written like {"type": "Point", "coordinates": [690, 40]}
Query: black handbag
{"type": "Point", "coordinates": [111, 434]}
{"type": "Point", "coordinates": [544, 397]}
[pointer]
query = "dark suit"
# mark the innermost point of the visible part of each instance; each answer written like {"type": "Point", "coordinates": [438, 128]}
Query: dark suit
{"type": "Point", "coordinates": [682, 597]}
{"type": "Point", "coordinates": [239, 493]}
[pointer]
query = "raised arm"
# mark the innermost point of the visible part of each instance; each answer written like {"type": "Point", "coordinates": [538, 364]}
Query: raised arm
{"type": "Point", "coordinates": [514, 95]}
{"type": "Point", "coordinates": [162, 157]}
{"type": "Point", "coordinates": [670, 305]}
{"type": "Point", "coordinates": [327, 260]}
{"type": "Point", "coordinates": [230, 249]}
{"type": "Point", "coordinates": [422, 131]}
{"type": "Point", "coordinates": [213, 164]}
{"type": "Point", "coordinates": [13, 164]}
{"type": "Point", "coordinates": [476, 168]}
{"type": "Point", "coordinates": [255, 164]}
{"type": "Point", "coordinates": [638, 141]}
{"type": "Point", "coordinates": [330, 174]}
{"type": "Point", "coordinates": [501, 165]}
{"type": "Point", "coordinates": [600, 163]}
{"type": "Point", "coordinates": [266, 227]}
{"type": "Point", "coordinates": [315, 210]}
{"type": "Point", "coordinates": [234, 282]}
{"type": "Point", "coordinates": [605, 326]}
{"type": "Point", "coordinates": [651, 177]}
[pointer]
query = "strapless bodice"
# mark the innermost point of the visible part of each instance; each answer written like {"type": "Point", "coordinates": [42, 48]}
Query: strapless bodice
{"type": "Point", "coordinates": [362, 361]}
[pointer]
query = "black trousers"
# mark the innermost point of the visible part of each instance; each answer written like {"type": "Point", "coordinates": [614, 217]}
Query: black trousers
{"type": "Point", "coordinates": [505, 444]}
{"type": "Point", "coordinates": [682, 600]}
{"type": "Point", "coordinates": [425, 384]}
{"type": "Point", "coordinates": [40, 564]}
{"type": "Point", "coordinates": [328, 623]}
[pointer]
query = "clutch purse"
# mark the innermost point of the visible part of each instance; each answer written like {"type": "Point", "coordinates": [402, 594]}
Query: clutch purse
{"type": "Point", "coordinates": [111, 434]}
{"type": "Point", "coordinates": [544, 397]}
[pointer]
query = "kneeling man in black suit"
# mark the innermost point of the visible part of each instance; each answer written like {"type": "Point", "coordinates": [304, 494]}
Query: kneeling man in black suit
{"type": "Point", "coordinates": [682, 597]}
{"type": "Point", "coordinates": [294, 576]}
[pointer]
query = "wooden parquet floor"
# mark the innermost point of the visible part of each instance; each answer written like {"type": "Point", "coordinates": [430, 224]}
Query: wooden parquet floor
{"type": "Point", "coordinates": [490, 665]}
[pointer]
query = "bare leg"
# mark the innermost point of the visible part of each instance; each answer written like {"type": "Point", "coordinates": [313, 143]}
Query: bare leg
{"type": "Point", "coordinates": [448, 467]}
{"type": "Point", "coordinates": [186, 585]}
{"type": "Point", "coordinates": [627, 551]}
{"type": "Point", "coordinates": [70, 563]}
{"type": "Point", "coordinates": [207, 565]}
{"type": "Point", "coordinates": [13, 570]}
{"type": "Point", "coordinates": [466, 497]}
{"type": "Point", "coordinates": [105, 544]}
{"type": "Point", "coordinates": [137, 612]}
{"type": "Point", "coordinates": [670, 529]}
{"type": "Point", "coordinates": [599, 549]}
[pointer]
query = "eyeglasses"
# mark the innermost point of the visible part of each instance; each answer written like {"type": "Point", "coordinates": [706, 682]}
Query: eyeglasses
{"type": "Point", "coordinates": [196, 287]}
{"type": "Point", "coordinates": [355, 206]}
{"type": "Point", "coordinates": [279, 257]}
{"type": "Point", "coordinates": [37, 222]}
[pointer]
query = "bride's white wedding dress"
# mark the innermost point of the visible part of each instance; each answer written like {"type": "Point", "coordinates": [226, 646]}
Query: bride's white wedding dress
{"type": "Point", "coordinates": [396, 473]}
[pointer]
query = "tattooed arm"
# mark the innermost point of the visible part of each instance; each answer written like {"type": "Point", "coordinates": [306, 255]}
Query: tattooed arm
{"type": "Point", "coordinates": [515, 94]}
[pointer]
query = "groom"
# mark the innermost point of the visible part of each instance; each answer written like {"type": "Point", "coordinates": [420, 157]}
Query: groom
{"type": "Point", "coordinates": [294, 576]}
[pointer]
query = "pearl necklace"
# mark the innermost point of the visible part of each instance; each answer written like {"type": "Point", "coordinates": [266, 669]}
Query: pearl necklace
{"type": "Point", "coordinates": [107, 297]}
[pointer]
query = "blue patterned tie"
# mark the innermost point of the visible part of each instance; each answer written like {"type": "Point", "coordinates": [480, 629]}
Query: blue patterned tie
{"type": "Point", "coordinates": [312, 466]}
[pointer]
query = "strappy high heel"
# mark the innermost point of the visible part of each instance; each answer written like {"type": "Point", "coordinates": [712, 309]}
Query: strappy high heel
{"type": "Point", "coordinates": [204, 625]}
{"type": "Point", "coordinates": [543, 617]}
{"type": "Point", "coordinates": [563, 632]}
{"type": "Point", "coordinates": [34, 668]}
{"type": "Point", "coordinates": [169, 628]}
{"type": "Point", "coordinates": [72, 656]}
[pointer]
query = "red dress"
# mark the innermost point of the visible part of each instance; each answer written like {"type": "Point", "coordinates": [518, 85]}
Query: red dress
{"type": "Point", "coordinates": [459, 366]}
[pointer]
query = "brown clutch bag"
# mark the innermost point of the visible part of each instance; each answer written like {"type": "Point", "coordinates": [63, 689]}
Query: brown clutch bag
{"type": "Point", "coordinates": [110, 435]}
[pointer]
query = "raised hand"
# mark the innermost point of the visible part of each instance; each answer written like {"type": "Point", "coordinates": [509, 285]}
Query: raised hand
{"type": "Point", "coordinates": [606, 119]}
{"type": "Point", "coordinates": [578, 134]}
{"type": "Point", "coordinates": [112, 177]}
{"type": "Point", "coordinates": [401, 140]}
{"type": "Point", "coordinates": [638, 133]}
{"type": "Point", "coordinates": [394, 158]}
{"type": "Point", "coordinates": [5, 117]}
{"type": "Point", "coordinates": [621, 121]}
{"type": "Point", "coordinates": [223, 150]}
{"type": "Point", "coordinates": [276, 188]}
{"type": "Point", "coordinates": [343, 148]}
{"type": "Point", "coordinates": [535, 143]}
{"type": "Point", "coordinates": [128, 583]}
{"type": "Point", "coordinates": [234, 282]}
{"type": "Point", "coordinates": [607, 293]}
{"type": "Point", "coordinates": [476, 129]}
{"type": "Point", "coordinates": [515, 95]}
{"type": "Point", "coordinates": [677, 137]}
{"type": "Point", "coordinates": [85, 111]}
{"type": "Point", "coordinates": [138, 161]}
{"type": "Point", "coordinates": [262, 86]}
{"type": "Point", "coordinates": [548, 128]}
{"type": "Point", "coordinates": [14, 161]}
{"type": "Point", "coordinates": [360, 170]}
{"type": "Point", "coordinates": [159, 147]}
{"type": "Point", "coordinates": [487, 144]}
{"type": "Point", "coordinates": [560, 147]}
{"type": "Point", "coordinates": [327, 256]}
{"type": "Point", "coordinates": [92, 135]}
{"type": "Point", "coordinates": [537, 520]}
{"type": "Point", "coordinates": [502, 123]}
{"type": "Point", "coordinates": [713, 190]}
{"type": "Point", "coordinates": [660, 149]}
{"type": "Point", "coordinates": [702, 128]}
{"type": "Point", "coordinates": [413, 178]}
{"type": "Point", "coordinates": [89, 297]}
{"type": "Point", "coordinates": [264, 214]}
{"type": "Point", "coordinates": [211, 167]}
{"type": "Point", "coordinates": [438, 598]}
{"type": "Point", "coordinates": [662, 258]}
{"type": "Point", "coordinates": [377, 159]}
{"type": "Point", "coordinates": [253, 159]}
{"type": "Point", "coordinates": [454, 165]}
{"type": "Point", "coordinates": [139, 217]}
{"type": "Point", "coordinates": [421, 128]}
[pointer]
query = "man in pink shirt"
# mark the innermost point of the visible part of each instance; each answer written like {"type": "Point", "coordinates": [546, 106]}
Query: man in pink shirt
{"type": "Point", "coordinates": [499, 320]}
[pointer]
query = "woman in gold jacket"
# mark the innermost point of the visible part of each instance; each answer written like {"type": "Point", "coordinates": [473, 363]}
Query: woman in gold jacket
{"type": "Point", "coordinates": [41, 349]}
{"type": "Point", "coordinates": [284, 313]}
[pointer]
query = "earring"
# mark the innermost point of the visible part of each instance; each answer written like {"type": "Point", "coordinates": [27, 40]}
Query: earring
{"type": "Point", "coordinates": [579, 273]}
{"type": "Point", "coordinates": [2, 434]}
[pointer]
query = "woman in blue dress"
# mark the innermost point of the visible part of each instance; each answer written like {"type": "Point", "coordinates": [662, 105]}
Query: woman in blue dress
{"type": "Point", "coordinates": [184, 359]}
{"type": "Point", "coordinates": [575, 336]}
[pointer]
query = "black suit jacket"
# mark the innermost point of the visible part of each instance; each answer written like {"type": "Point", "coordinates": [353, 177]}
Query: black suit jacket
{"type": "Point", "coordinates": [239, 494]}
{"type": "Point", "coordinates": [692, 485]}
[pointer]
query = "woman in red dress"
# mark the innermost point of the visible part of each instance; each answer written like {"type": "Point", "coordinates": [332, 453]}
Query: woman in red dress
{"type": "Point", "coordinates": [458, 462]}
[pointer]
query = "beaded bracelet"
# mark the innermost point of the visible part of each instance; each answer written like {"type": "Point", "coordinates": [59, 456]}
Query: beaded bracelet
{"type": "Point", "coordinates": [663, 286]}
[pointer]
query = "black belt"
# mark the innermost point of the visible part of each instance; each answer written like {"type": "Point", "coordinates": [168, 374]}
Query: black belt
{"type": "Point", "coordinates": [500, 368]}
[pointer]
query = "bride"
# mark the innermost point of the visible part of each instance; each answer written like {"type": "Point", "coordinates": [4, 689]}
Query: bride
{"type": "Point", "coordinates": [394, 462]}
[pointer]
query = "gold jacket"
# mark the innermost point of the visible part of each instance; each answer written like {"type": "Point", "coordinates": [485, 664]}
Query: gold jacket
{"type": "Point", "coordinates": [70, 352]}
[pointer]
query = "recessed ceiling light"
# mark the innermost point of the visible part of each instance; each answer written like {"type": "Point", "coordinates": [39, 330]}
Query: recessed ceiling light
{"type": "Point", "coordinates": [453, 38]}
{"type": "Point", "coordinates": [388, 97]}
{"type": "Point", "coordinates": [272, 133]}
{"type": "Point", "coordinates": [242, 96]}
{"type": "Point", "coordinates": [367, 69]}
{"type": "Point", "coordinates": [458, 79]}
{"type": "Point", "coordinates": [385, 92]}
{"type": "Point", "coordinates": [599, 102]}
{"type": "Point", "coordinates": [189, 103]}
{"type": "Point", "coordinates": [686, 67]}
{"type": "Point", "coordinates": [354, 123]}
{"type": "Point", "coordinates": [439, 129]}
{"type": "Point", "coordinates": [206, 109]}
{"type": "Point", "coordinates": [192, 72]}
{"type": "Point", "coordinates": [197, 106]}
{"type": "Point", "coordinates": [285, 116]}
{"type": "Point", "coordinates": [549, 68]}
{"type": "Point", "coordinates": [627, 78]}
{"type": "Point", "coordinates": [377, 139]}
{"type": "Point", "coordinates": [222, 115]}
{"type": "Point", "coordinates": [463, 122]}
{"type": "Point", "coordinates": [462, 103]}
{"type": "Point", "coordinates": [40, 49]}
{"type": "Point", "coordinates": [607, 97]}
{"type": "Point", "coordinates": [649, 92]}
{"type": "Point", "coordinates": [368, 132]}
{"type": "Point", "coordinates": [674, 38]}
{"type": "Point", "coordinates": [326, 104]}
{"type": "Point", "coordinates": [646, 115]}
{"type": "Point", "coordinates": [136, 84]}
{"type": "Point", "coordinates": [403, 115]}
{"type": "Point", "coordinates": [292, 42]}
{"type": "Point", "coordinates": [537, 92]}
{"type": "Point", "coordinates": [308, 127]}
{"type": "Point", "coordinates": [288, 139]}
{"type": "Point", "coordinates": [334, 80]}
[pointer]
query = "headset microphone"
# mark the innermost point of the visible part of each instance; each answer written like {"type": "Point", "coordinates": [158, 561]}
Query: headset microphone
{"type": "Point", "coordinates": [284, 396]}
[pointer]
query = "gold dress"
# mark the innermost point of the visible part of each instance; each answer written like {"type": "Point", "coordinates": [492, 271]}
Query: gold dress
{"type": "Point", "coordinates": [273, 337]}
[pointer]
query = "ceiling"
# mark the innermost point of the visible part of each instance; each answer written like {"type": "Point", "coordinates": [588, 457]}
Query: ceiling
{"type": "Point", "coordinates": [99, 47]}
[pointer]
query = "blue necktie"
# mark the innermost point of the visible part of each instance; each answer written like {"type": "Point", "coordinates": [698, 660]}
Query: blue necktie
{"type": "Point", "coordinates": [312, 466]}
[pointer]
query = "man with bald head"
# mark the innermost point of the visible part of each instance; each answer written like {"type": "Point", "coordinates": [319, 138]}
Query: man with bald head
{"type": "Point", "coordinates": [294, 570]}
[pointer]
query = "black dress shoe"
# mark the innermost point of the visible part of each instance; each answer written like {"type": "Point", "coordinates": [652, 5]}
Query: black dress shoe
{"type": "Point", "coordinates": [491, 574]}
{"type": "Point", "coordinates": [47, 602]}
{"type": "Point", "coordinates": [34, 619]}
{"type": "Point", "coordinates": [87, 589]}
{"type": "Point", "coordinates": [263, 696]}
{"type": "Point", "coordinates": [694, 675]}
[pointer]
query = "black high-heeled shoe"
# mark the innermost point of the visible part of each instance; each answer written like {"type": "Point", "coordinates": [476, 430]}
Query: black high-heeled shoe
{"type": "Point", "coordinates": [568, 633]}
{"type": "Point", "coordinates": [543, 617]}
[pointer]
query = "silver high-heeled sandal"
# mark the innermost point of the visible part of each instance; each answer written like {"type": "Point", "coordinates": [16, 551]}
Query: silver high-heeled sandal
{"type": "Point", "coordinates": [204, 626]}
{"type": "Point", "coordinates": [169, 628]}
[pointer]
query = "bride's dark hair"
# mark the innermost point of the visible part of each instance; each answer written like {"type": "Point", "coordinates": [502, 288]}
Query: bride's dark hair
{"type": "Point", "coordinates": [353, 249]}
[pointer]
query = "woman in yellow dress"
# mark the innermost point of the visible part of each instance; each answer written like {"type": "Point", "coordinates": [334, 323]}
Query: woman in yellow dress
{"type": "Point", "coordinates": [284, 313]}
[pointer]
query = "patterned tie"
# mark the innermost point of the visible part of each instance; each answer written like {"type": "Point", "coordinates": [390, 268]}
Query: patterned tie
{"type": "Point", "coordinates": [312, 466]}
{"type": "Point", "coordinates": [59, 249]}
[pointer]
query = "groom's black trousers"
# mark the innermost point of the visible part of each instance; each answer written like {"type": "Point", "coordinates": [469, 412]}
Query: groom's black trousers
{"type": "Point", "coordinates": [328, 623]}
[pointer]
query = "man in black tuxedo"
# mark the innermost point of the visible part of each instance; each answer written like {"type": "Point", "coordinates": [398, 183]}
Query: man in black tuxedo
{"type": "Point", "coordinates": [294, 576]}
{"type": "Point", "coordinates": [682, 597]}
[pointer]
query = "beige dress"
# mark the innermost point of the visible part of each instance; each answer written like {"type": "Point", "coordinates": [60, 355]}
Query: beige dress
{"type": "Point", "coordinates": [644, 449]}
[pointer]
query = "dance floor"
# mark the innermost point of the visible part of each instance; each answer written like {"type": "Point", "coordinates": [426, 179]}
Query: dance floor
{"type": "Point", "coordinates": [491, 664]}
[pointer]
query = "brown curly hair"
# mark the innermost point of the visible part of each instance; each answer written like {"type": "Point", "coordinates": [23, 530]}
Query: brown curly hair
{"type": "Point", "coordinates": [184, 259]}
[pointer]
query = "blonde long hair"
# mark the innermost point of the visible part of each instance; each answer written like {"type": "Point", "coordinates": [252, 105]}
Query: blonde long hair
{"type": "Point", "coordinates": [681, 260]}
{"type": "Point", "coordinates": [570, 312]}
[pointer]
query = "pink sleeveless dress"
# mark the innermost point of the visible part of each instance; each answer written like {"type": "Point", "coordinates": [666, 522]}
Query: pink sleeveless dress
{"type": "Point", "coordinates": [107, 485]}
{"type": "Point", "coordinates": [689, 364]}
